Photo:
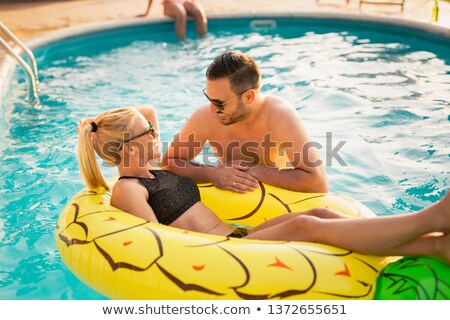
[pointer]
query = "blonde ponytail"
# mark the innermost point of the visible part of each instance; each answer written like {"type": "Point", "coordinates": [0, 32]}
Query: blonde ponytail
{"type": "Point", "coordinates": [89, 169]}
{"type": "Point", "coordinates": [110, 128]}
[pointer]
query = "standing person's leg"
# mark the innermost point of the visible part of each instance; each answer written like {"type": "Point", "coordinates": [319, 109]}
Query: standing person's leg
{"type": "Point", "coordinates": [196, 10]}
{"type": "Point", "coordinates": [377, 236]}
{"type": "Point", "coordinates": [177, 11]}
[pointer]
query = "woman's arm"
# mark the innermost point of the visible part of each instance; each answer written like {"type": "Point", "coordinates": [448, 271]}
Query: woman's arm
{"type": "Point", "coordinates": [151, 115]}
{"type": "Point", "coordinates": [149, 5]}
{"type": "Point", "coordinates": [131, 197]}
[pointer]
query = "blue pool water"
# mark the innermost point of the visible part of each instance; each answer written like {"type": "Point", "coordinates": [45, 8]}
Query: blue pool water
{"type": "Point", "coordinates": [382, 90]}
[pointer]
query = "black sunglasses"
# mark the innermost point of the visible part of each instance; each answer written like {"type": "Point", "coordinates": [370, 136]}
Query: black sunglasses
{"type": "Point", "coordinates": [151, 130]}
{"type": "Point", "coordinates": [221, 104]}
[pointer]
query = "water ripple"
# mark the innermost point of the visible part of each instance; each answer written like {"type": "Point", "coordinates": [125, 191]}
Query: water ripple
{"type": "Point", "coordinates": [384, 96]}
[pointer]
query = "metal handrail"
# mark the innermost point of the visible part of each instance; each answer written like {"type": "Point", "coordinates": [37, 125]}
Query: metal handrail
{"type": "Point", "coordinates": [32, 71]}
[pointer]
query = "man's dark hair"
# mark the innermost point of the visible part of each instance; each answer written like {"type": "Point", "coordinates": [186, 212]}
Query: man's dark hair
{"type": "Point", "coordinates": [242, 71]}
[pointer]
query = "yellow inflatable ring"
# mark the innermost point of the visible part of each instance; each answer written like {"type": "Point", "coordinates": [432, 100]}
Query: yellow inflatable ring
{"type": "Point", "coordinates": [124, 257]}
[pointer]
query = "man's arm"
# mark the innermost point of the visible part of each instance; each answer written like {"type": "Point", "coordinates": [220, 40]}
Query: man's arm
{"type": "Point", "coordinates": [182, 150]}
{"type": "Point", "coordinates": [189, 143]}
{"type": "Point", "coordinates": [291, 178]}
{"type": "Point", "coordinates": [305, 172]}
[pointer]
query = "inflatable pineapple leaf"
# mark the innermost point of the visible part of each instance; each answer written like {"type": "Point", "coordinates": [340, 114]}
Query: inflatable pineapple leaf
{"type": "Point", "coordinates": [414, 278]}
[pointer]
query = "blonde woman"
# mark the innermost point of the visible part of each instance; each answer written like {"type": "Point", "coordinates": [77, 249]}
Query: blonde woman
{"type": "Point", "coordinates": [128, 138]}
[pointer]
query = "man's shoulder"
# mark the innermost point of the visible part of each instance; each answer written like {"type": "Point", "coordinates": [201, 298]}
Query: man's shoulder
{"type": "Point", "coordinates": [201, 113]}
{"type": "Point", "coordinates": [199, 118]}
{"type": "Point", "coordinates": [279, 105]}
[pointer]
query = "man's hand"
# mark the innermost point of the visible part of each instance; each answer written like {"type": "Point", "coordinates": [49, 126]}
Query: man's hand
{"type": "Point", "coordinates": [232, 176]}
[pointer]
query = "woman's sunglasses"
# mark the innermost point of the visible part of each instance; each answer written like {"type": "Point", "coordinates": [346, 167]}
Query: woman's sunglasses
{"type": "Point", "coordinates": [151, 130]}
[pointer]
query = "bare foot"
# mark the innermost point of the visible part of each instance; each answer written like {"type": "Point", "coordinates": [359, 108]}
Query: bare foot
{"type": "Point", "coordinates": [444, 205]}
{"type": "Point", "coordinates": [440, 214]}
{"type": "Point", "coordinates": [443, 247]}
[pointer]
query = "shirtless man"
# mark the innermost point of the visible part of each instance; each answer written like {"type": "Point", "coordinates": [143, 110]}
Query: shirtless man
{"type": "Point", "coordinates": [255, 137]}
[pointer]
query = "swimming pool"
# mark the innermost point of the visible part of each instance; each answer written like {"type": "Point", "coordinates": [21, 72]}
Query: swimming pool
{"type": "Point", "coordinates": [381, 90]}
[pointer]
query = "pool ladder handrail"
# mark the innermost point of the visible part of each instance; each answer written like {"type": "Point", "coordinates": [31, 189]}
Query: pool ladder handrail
{"type": "Point", "coordinates": [31, 71]}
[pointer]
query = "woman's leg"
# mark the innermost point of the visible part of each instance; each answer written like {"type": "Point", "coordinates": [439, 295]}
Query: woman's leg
{"type": "Point", "coordinates": [430, 245]}
{"type": "Point", "coordinates": [179, 14]}
{"type": "Point", "coordinates": [318, 212]}
{"type": "Point", "coordinates": [196, 10]}
{"type": "Point", "coordinates": [376, 236]}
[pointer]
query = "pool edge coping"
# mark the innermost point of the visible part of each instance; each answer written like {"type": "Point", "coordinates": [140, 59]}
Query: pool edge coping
{"type": "Point", "coordinates": [7, 63]}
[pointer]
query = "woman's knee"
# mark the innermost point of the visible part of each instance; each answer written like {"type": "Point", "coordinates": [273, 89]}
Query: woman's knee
{"type": "Point", "coordinates": [176, 11]}
{"type": "Point", "coordinates": [195, 11]}
{"type": "Point", "coordinates": [302, 228]}
{"type": "Point", "coordinates": [323, 213]}
{"type": "Point", "coordinates": [305, 224]}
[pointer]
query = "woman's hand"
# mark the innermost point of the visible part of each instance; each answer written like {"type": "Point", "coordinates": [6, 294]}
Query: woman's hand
{"type": "Point", "coordinates": [84, 122]}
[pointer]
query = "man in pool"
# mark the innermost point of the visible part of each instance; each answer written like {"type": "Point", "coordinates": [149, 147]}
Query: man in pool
{"type": "Point", "coordinates": [255, 137]}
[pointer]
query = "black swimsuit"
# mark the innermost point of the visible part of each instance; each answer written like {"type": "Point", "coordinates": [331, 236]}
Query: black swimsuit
{"type": "Point", "coordinates": [169, 195]}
